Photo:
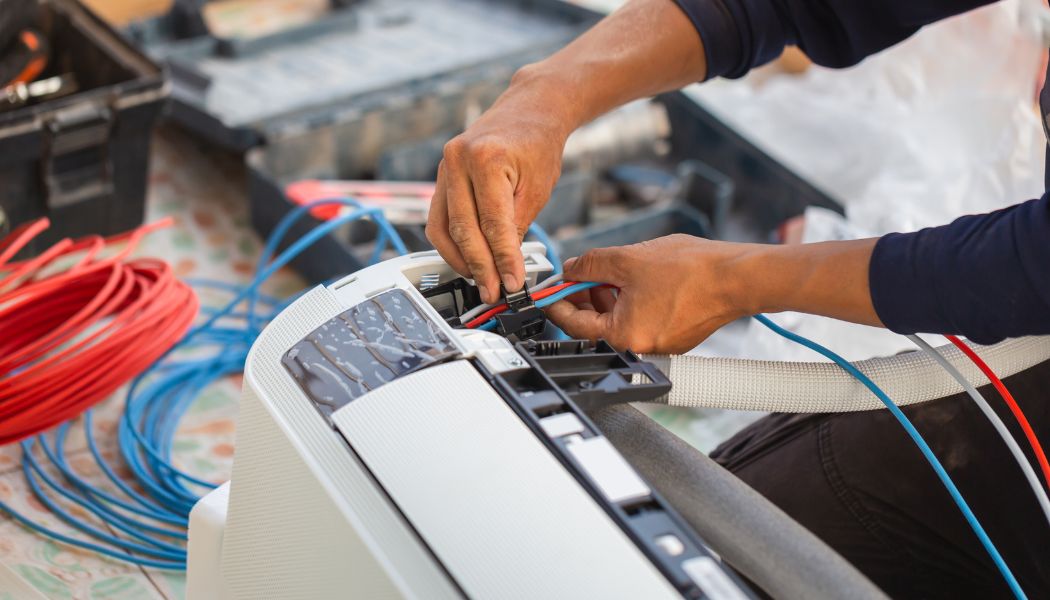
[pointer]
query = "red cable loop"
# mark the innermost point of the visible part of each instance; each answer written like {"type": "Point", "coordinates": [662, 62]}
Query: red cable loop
{"type": "Point", "coordinates": [70, 338]}
{"type": "Point", "coordinates": [17, 239]}
{"type": "Point", "coordinates": [1022, 420]}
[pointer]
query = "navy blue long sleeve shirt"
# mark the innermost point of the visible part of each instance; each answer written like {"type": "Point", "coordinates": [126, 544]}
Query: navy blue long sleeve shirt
{"type": "Point", "coordinates": [983, 276]}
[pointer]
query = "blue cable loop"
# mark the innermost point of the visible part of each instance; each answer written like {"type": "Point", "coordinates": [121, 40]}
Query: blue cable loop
{"type": "Point", "coordinates": [59, 461]}
{"type": "Point", "coordinates": [387, 232]}
{"type": "Point", "coordinates": [115, 519]}
{"type": "Point", "coordinates": [552, 249]}
{"type": "Point", "coordinates": [104, 550]}
{"type": "Point", "coordinates": [555, 259]}
{"type": "Point", "coordinates": [143, 507]}
{"type": "Point", "coordinates": [29, 467]}
{"type": "Point", "coordinates": [916, 437]}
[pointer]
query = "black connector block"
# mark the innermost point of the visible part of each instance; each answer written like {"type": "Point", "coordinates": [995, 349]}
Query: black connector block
{"type": "Point", "coordinates": [523, 321]}
{"type": "Point", "coordinates": [452, 299]}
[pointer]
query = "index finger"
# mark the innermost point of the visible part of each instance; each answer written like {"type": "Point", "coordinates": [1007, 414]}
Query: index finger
{"type": "Point", "coordinates": [465, 231]}
{"type": "Point", "coordinates": [437, 226]}
{"type": "Point", "coordinates": [494, 197]}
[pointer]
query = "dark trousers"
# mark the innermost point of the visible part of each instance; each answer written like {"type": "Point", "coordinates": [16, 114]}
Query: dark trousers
{"type": "Point", "coordinates": [858, 482]}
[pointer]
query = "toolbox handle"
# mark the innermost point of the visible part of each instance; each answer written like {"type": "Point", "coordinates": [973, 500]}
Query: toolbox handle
{"type": "Point", "coordinates": [77, 165]}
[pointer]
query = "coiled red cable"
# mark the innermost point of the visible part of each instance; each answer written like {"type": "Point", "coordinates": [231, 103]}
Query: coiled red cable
{"type": "Point", "coordinates": [1022, 420]}
{"type": "Point", "coordinates": [70, 337]}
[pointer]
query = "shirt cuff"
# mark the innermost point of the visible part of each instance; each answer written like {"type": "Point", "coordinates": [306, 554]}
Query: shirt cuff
{"type": "Point", "coordinates": [982, 276]}
{"type": "Point", "coordinates": [903, 291]}
{"type": "Point", "coordinates": [736, 34]}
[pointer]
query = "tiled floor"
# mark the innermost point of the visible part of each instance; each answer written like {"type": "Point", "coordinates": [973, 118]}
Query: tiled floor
{"type": "Point", "coordinates": [212, 238]}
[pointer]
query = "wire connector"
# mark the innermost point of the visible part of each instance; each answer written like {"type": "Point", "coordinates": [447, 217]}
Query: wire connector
{"type": "Point", "coordinates": [522, 321]}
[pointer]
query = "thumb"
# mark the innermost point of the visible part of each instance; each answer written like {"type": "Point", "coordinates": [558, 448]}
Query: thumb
{"type": "Point", "coordinates": [580, 323]}
{"type": "Point", "coordinates": [603, 265]}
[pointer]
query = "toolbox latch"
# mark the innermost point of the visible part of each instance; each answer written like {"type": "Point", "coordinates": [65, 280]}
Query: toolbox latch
{"type": "Point", "coordinates": [77, 166]}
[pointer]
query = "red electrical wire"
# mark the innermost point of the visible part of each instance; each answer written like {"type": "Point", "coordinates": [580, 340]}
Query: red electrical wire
{"type": "Point", "coordinates": [1009, 398]}
{"type": "Point", "coordinates": [17, 239]}
{"type": "Point", "coordinates": [480, 320]}
{"type": "Point", "coordinates": [70, 338]}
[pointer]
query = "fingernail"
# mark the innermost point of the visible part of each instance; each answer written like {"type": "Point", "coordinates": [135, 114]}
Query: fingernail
{"type": "Point", "coordinates": [485, 294]}
{"type": "Point", "coordinates": [568, 264]}
{"type": "Point", "coordinates": [511, 283]}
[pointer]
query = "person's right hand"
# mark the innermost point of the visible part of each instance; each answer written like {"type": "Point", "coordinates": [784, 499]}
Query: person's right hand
{"type": "Point", "coordinates": [492, 182]}
{"type": "Point", "coordinates": [672, 292]}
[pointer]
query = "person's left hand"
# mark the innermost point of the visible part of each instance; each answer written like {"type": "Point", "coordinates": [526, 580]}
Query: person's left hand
{"type": "Point", "coordinates": [673, 292]}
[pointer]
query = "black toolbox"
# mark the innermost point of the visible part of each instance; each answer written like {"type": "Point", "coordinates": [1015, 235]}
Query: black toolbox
{"type": "Point", "coordinates": [375, 88]}
{"type": "Point", "coordinates": [81, 159]}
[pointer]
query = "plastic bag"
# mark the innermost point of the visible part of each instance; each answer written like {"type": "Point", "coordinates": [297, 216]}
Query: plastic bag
{"type": "Point", "coordinates": [941, 125]}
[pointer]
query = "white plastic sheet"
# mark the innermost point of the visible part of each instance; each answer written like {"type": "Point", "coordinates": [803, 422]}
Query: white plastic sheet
{"type": "Point", "coordinates": [941, 125]}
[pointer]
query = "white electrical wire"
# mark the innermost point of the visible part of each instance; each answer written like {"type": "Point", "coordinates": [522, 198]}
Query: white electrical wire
{"type": "Point", "coordinates": [1000, 427]}
{"type": "Point", "coordinates": [477, 310]}
{"type": "Point", "coordinates": [546, 283]}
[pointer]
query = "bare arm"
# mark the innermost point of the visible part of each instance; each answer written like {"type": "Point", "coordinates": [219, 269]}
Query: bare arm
{"type": "Point", "coordinates": [828, 278]}
{"type": "Point", "coordinates": [645, 48]}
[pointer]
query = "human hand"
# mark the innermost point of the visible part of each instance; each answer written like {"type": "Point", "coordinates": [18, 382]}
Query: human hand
{"type": "Point", "coordinates": [492, 182]}
{"type": "Point", "coordinates": [677, 290]}
{"type": "Point", "coordinates": [496, 177]}
{"type": "Point", "coordinates": [673, 292]}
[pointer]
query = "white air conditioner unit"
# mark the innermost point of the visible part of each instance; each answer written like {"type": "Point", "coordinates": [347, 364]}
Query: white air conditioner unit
{"type": "Point", "coordinates": [382, 452]}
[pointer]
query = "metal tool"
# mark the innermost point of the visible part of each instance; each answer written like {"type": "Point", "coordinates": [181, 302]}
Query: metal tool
{"type": "Point", "coordinates": [22, 93]}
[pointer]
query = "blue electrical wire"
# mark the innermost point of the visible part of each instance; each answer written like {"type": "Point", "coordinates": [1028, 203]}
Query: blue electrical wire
{"type": "Point", "coordinates": [120, 520]}
{"type": "Point", "coordinates": [556, 269]}
{"type": "Point", "coordinates": [916, 437]}
{"type": "Point", "coordinates": [154, 405]}
{"type": "Point", "coordinates": [88, 545]}
{"type": "Point", "coordinates": [552, 250]}
{"type": "Point", "coordinates": [31, 469]}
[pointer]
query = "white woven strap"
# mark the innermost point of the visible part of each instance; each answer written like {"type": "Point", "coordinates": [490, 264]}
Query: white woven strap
{"type": "Point", "coordinates": [811, 387]}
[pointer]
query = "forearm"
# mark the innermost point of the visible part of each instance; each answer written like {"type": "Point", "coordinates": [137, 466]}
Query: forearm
{"type": "Point", "coordinates": [828, 279]}
{"type": "Point", "coordinates": [644, 48]}
{"type": "Point", "coordinates": [652, 46]}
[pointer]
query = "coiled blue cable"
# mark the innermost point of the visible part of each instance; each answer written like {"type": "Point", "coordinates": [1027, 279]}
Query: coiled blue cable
{"type": "Point", "coordinates": [916, 437]}
{"type": "Point", "coordinates": [154, 405]}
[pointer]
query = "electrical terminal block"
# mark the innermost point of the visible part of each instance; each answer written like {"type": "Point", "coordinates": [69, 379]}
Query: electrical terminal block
{"type": "Point", "coordinates": [523, 321]}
